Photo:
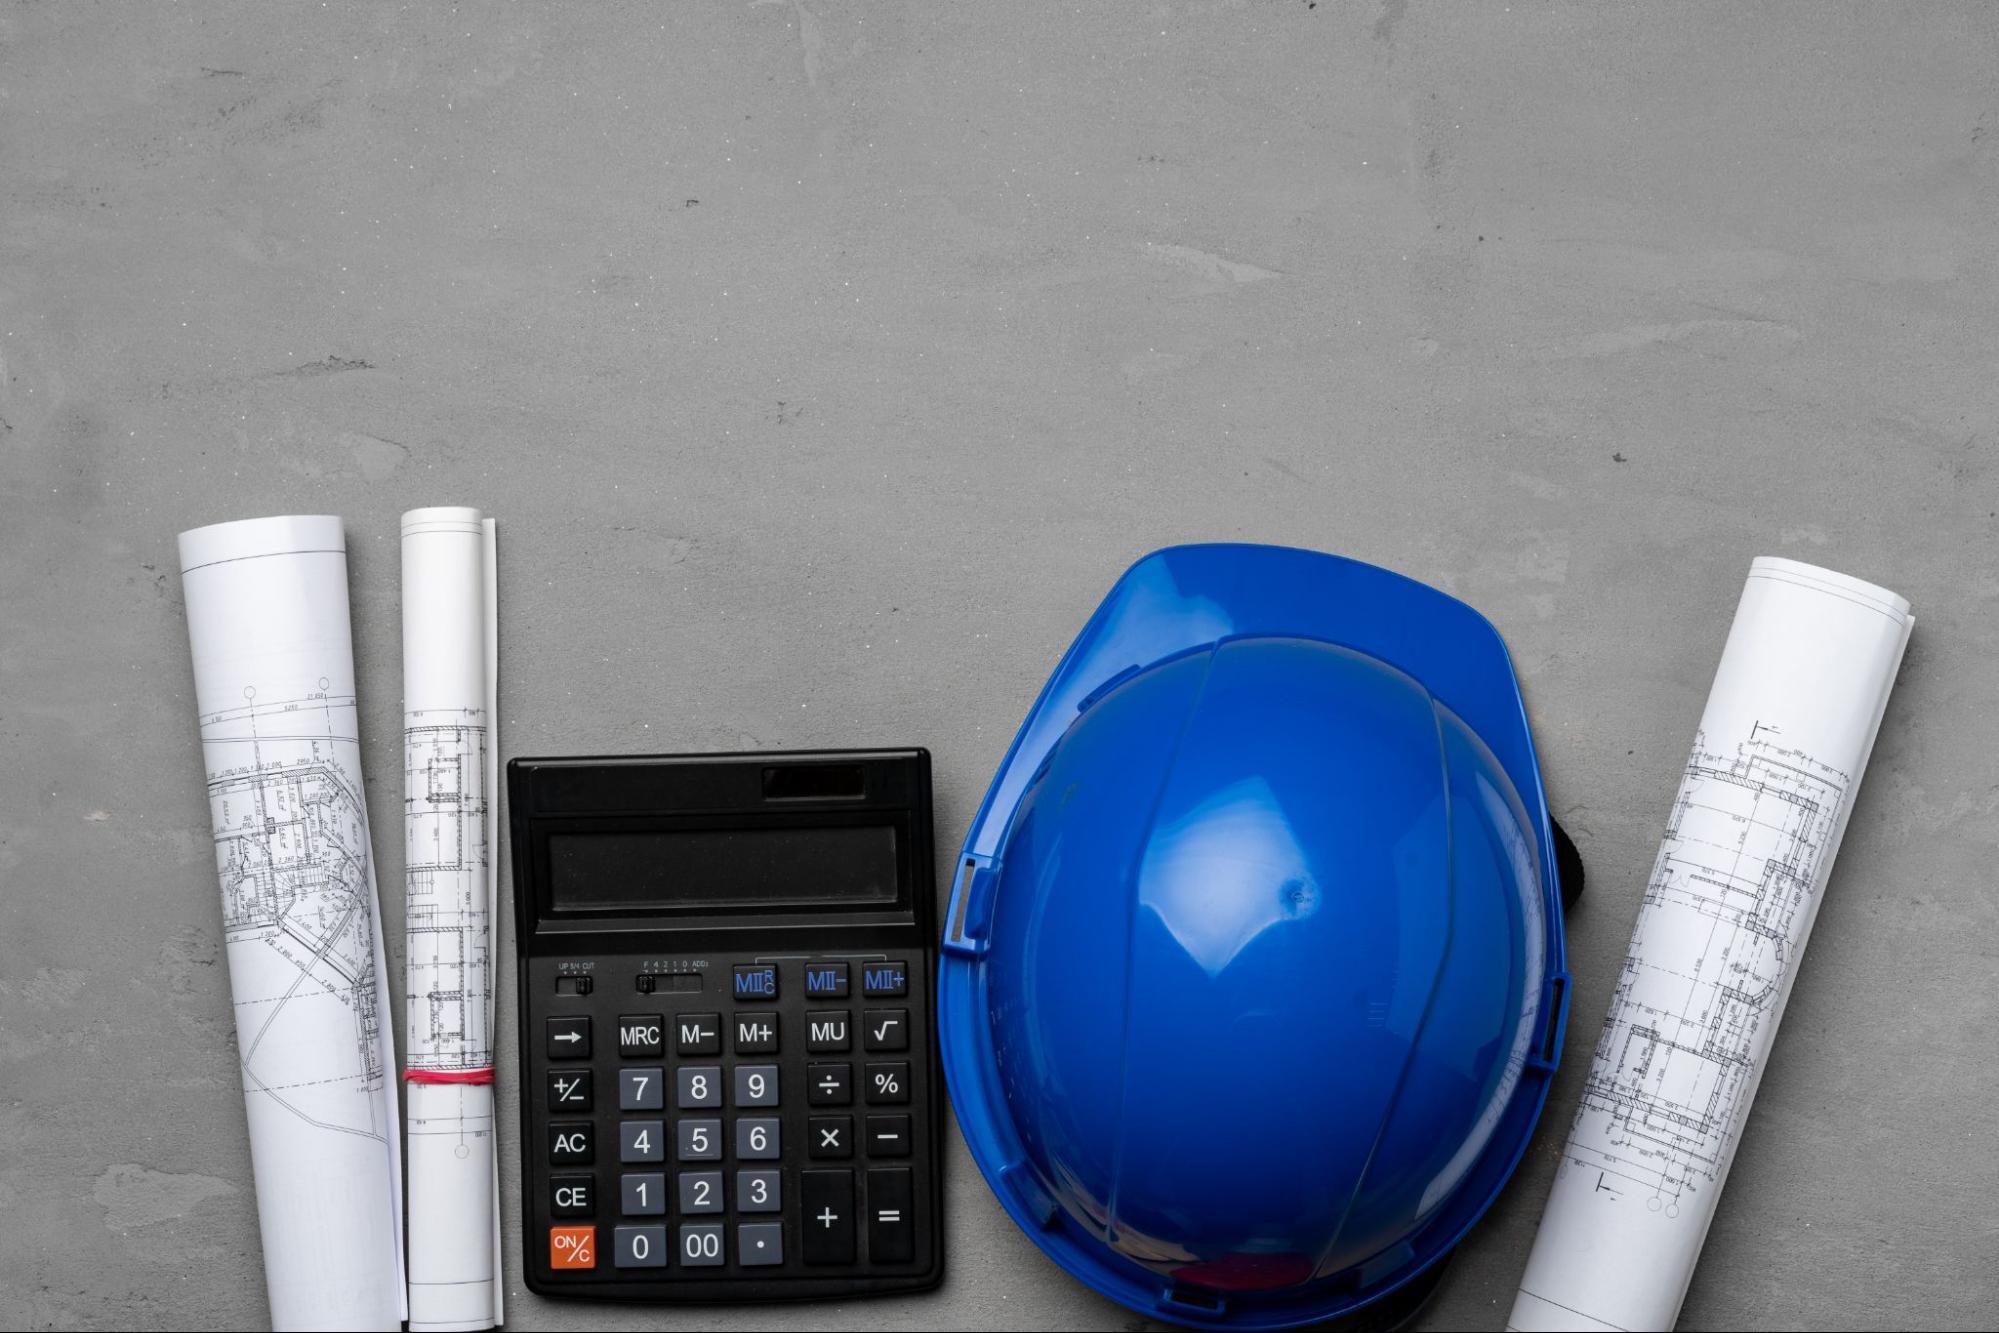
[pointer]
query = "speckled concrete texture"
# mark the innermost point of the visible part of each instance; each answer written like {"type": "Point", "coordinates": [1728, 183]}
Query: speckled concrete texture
{"type": "Point", "coordinates": [824, 363]}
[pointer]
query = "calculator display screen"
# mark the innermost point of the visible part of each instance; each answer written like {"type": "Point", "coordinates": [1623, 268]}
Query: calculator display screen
{"type": "Point", "coordinates": [754, 867]}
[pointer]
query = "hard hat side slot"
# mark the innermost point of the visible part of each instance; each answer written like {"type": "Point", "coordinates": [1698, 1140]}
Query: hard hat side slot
{"type": "Point", "coordinates": [1555, 1004]}
{"type": "Point", "coordinates": [970, 909]}
{"type": "Point", "coordinates": [1188, 1296]}
{"type": "Point", "coordinates": [1017, 1178]}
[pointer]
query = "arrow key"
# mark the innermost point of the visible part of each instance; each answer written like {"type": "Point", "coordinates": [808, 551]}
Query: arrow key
{"type": "Point", "coordinates": [569, 1037]}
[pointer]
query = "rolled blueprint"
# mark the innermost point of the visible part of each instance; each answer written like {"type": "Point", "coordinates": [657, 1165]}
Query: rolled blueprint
{"type": "Point", "coordinates": [1797, 700]}
{"type": "Point", "coordinates": [450, 749]}
{"type": "Point", "coordinates": [274, 686]}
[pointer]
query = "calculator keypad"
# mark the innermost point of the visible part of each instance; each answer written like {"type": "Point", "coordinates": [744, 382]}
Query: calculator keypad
{"type": "Point", "coordinates": [784, 1131]}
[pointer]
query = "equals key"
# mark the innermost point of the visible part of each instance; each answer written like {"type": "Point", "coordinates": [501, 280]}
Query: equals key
{"type": "Point", "coordinates": [891, 1224]}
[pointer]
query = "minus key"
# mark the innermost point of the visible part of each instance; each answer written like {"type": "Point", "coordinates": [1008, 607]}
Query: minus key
{"type": "Point", "coordinates": [888, 1136]}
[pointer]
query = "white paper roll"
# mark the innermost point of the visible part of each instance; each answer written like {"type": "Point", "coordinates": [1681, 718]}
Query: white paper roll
{"type": "Point", "coordinates": [1796, 703]}
{"type": "Point", "coordinates": [268, 625]}
{"type": "Point", "coordinates": [450, 746]}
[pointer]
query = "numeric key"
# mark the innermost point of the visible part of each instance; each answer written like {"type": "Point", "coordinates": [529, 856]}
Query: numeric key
{"type": "Point", "coordinates": [756, 1085]}
{"type": "Point", "coordinates": [642, 1194]}
{"type": "Point", "coordinates": [699, 1141]}
{"type": "Point", "coordinates": [641, 1089]}
{"type": "Point", "coordinates": [701, 1245]}
{"type": "Point", "coordinates": [757, 1140]}
{"type": "Point", "coordinates": [642, 1141]}
{"type": "Point", "coordinates": [700, 1192]}
{"type": "Point", "coordinates": [759, 1191]}
{"type": "Point", "coordinates": [639, 1247]}
{"type": "Point", "coordinates": [697, 1087]}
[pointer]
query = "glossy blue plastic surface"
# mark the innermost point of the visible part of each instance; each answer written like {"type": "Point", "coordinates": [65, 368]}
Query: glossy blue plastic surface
{"type": "Point", "coordinates": [1253, 974]}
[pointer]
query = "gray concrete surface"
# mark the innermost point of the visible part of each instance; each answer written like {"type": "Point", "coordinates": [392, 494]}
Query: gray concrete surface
{"type": "Point", "coordinates": [825, 362]}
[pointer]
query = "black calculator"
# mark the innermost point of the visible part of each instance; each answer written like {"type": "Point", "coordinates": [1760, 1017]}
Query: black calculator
{"type": "Point", "coordinates": [730, 1087]}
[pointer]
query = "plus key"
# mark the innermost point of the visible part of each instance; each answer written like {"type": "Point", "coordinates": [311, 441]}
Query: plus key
{"type": "Point", "coordinates": [826, 1201]}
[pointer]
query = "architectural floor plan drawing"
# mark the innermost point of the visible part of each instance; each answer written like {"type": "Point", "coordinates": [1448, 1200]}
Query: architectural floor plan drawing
{"type": "Point", "coordinates": [1722, 926]}
{"type": "Point", "coordinates": [449, 937]}
{"type": "Point", "coordinates": [450, 780]}
{"type": "Point", "coordinates": [273, 653]}
{"type": "Point", "coordinates": [450, 915]}
{"type": "Point", "coordinates": [1678, 1056]}
{"type": "Point", "coordinates": [291, 844]}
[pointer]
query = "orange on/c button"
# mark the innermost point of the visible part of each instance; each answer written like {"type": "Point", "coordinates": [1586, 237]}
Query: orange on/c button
{"type": "Point", "coordinates": [572, 1247]}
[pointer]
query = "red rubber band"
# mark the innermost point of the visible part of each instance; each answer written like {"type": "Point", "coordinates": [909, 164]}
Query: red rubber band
{"type": "Point", "coordinates": [448, 1075]}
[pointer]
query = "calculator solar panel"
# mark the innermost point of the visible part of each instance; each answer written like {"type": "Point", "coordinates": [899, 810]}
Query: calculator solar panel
{"type": "Point", "coordinates": [730, 1085]}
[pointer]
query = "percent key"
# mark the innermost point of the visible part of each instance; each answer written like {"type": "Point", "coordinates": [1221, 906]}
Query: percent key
{"type": "Point", "coordinates": [888, 1084]}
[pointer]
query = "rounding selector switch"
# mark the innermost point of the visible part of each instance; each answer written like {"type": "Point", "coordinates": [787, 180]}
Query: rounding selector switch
{"type": "Point", "coordinates": [572, 985]}
{"type": "Point", "coordinates": [682, 983]}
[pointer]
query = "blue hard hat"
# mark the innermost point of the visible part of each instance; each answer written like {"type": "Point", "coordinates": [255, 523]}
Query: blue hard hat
{"type": "Point", "coordinates": [1253, 977]}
